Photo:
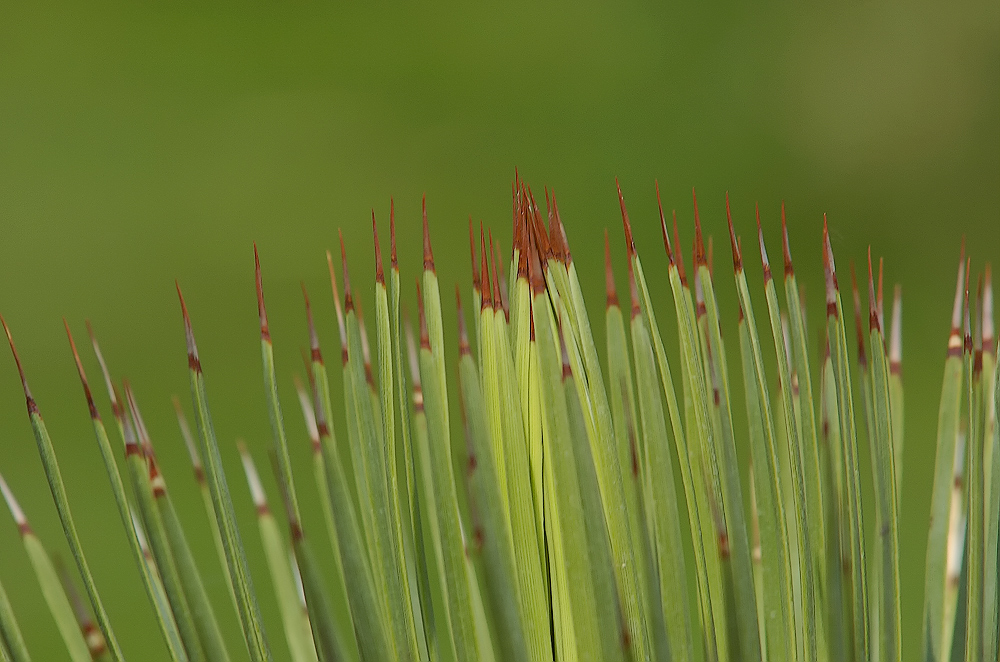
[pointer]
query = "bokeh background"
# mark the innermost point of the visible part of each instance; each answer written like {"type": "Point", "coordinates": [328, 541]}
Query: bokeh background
{"type": "Point", "coordinates": [142, 143]}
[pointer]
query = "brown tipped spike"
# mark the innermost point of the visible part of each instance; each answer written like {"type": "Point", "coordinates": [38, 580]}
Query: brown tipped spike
{"type": "Point", "coordinates": [679, 258]}
{"type": "Point", "coordinates": [15, 509]}
{"type": "Point", "coordinates": [463, 333]}
{"type": "Point", "coordinates": [862, 355]}
{"type": "Point", "coordinates": [663, 225]}
{"type": "Point", "coordinates": [83, 376]}
{"type": "Point", "coordinates": [495, 283]}
{"type": "Point", "coordinates": [428, 253]}
{"type": "Point", "coordinates": [112, 391]}
{"type": "Point", "coordinates": [314, 350]}
{"type": "Point", "coordinates": [392, 235]}
{"type": "Point", "coordinates": [565, 254]}
{"type": "Point", "coordinates": [32, 407]}
{"type": "Point", "coordinates": [523, 256]}
{"type": "Point", "coordinates": [336, 304]}
{"type": "Point", "coordinates": [425, 339]}
{"type": "Point", "coordinates": [472, 250]}
{"type": "Point", "coordinates": [829, 273]}
{"type": "Point", "coordinates": [789, 271]}
{"type": "Point", "coordinates": [699, 242]}
{"type": "Point", "coordinates": [763, 250]}
{"type": "Point", "coordinates": [192, 349]}
{"type": "Point", "coordinates": [629, 242]}
{"type": "Point", "coordinates": [379, 273]}
{"type": "Point", "coordinates": [968, 313]}
{"type": "Point", "coordinates": [348, 298]}
{"type": "Point", "coordinates": [737, 255]}
{"type": "Point", "coordinates": [265, 334]}
{"type": "Point", "coordinates": [609, 276]}
{"type": "Point", "coordinates": [487, 283]}
{"type": "Point", "coordinates": [873, 321]}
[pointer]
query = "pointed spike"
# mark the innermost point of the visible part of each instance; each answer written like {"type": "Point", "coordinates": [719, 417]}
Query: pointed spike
{"type": "Point", "coordinates": [192, 348]}
{"type": "Point", "coordinates": [428, 253]}
{"type": "Point", "coordinates": [112, 391]}
{"type": "Point", "coordinates": [314, 350]}
{"type": "Point", "coordinates": [411, 354]}
{"type": "Point", "coordinates": [629, 242]}
{"type": "Point", "coordinates": [128, 430]}
{"type": "Point", "coordinates": [711, 259]}
{"type": "Point", "coordinates": [609, 276]}
{"type": "Point", "coordinates": [763, 250]}
{"type": "Point", "coordinates": [253, 479]}
{"type": "Point", "coordinates": [366, 352]}
{"type": "Point", "coordinates": [967, 323]}
{"type": "Point", "coordinates": [633, 292]}
{"type": "Point", "coordinates": [463, 333]}
{"type": "Point", "coordinates": [472, 250]}
{"type": "Point", "coordinates": [737, 255]}
{"type": "Point", "coordinates": [663, 224]}
{"type": "Point", "coordinates": [565, 254]}
{"type": "Point", "coordinates": [196, 464]}
{"type": "Point", "coordinates": [309, 412]}
{"type": "Point", "coordinates": [32, 407]}
{"type": "Point", "coordinates": [393, 262]}
{"type": "Point", "coordinates": [336, 304]}
{"type": "Point", "coordinates": [789, 271]}
{"type": "Point", "coordinates": [484, 271]}
{"type": "Point", "coordinates": [679, 261]}
{"type": "Point", "coordinates": [956, 311]}
{"type": "Point", "coordinates": [862, 355]}
{"type": "Point", "coordinates": [495, 283]}
{"type": "Point", "coordinates": [265, 334]}
{"type": "Point", "coordinates": [379, 273]}
{"type": "Point", "coordinates": [699, 242]}
{"type": "Point", "coordinates": [500, 277]}
{"type": "Point", "coordinates": [829, 273]}
{"type": "Point", "coordinates": [83, 376]}
{"type": "Point", "coordinates": [348, 298]}
{"type": "Point", "coordinates": [879, 304]}
{"type": "Point", "coordinates": [873, 321]}
{"type": "Point", "coordinates": [15, 508]}
{"type": "Point", "coordinates": [523, 252]}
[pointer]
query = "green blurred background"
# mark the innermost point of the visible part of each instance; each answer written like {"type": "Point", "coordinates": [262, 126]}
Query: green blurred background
{"type": "Point", "coordinates": [140, 143]}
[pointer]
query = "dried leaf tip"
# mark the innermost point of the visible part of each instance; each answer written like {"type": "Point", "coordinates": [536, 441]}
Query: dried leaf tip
{"type": "Point", "coordinates": [463, 333]}
{"type": "Point", "coordinates": [32, 407]}
{"type": "Point", "coordinates": [196, 465]}
{"type": "Point", "coordinates": [874, 323]}
{"type": "Point", "coordinates": [500, 278]}
{"type": "Point", "coordinates": [763, 250]}
{"type": "Point", "coordinates": [789, 271]}
{"type": "Point", "coordinates": [194, 363]}
{"type": "Point", "coordinates": [314, 350]}
{"type": "Point", "coordinates": [679, 261]}
{"type": "Point", "coordinates": [414, 365]}
{"type": "Point", "coordinates": [896, 333]}
{"type": "Point", "coordinates": [567, 370]}
{"type": "Point", "coordinates": [253, 479]}
{"type": "Point", "coordinates": [392, 235]}
{"type": "Point", "coordinates": [663, 224]}
{"type": "Point", "coordinates": [15, 508]}
{"type": "Point", "coordinates": [495, 282]}
{"type": "Point", "coordinates": [829, 273]}
{"type": "Point", "coordinates": [83, 376]}
{"type": "Point", "coordinates": [629, 243]}
{"type": "Point", "coordinates": [699, 242]}
{"type": "Point", "coordinates": [336, 304]}
{"type": "Point", "coordinates": [561, 243]}
{"type": "Point", "coordinates": [956, 310]}
{"type": "Point", "coordinates": [265, 333]}
{"type": "Point", "coordinates": [348, 298]}
{"type": "Point", "coordinates": [737, 254]}
{"type": "Point", "coordinates": [968, 313]}
{"type": "Point", "coordinates": [309, 414]}
{"type": "Point", "coordinates": [379, 273]}
{"type": "Point", "coordinates": [112, 391]}
{"type": "Point", "coordinates": [633, 292]}
{"type": "Point", "coordinates": [862, 356]}
{"type": "Point", "coordinates": [609, 276]}
{"type": "Point", "coordinates": [428, 253]}
{"type": "Point", "coordinates": [486, 283]}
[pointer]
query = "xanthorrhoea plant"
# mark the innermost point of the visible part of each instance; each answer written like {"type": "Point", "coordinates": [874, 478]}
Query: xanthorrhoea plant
{"type": "Point", "coordinates": [551, 527]}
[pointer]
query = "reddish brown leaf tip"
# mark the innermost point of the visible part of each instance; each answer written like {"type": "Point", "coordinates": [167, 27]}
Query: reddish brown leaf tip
{"type": "Point", "coordinates": [348, 298]}
{"type": "Point", "coordinates": [679, 261]}
{"type": "Point", "coordinates": [873, 320]}
{"type": "Point", "coordinates": [495, 282]}
{"type": "Point", "coordinates": [487, 283]}
{"type": "Point", "coordinates": [463, 333]}
{"type": "Point", "coordinates": [425, 339]}
{"type": "Point", "coordinates": [856, 296]}
{"type": "Point", "coordinates": [789, 271]}
{"type": "Point", "coordinates": [699, 242]}
{"type": "Point", "coordinates": [609, 275]}
{"type": "Point", "coordinates": [629, 243]}
{"type": "Point", "coordinates": [314, 350]}
{"type": "Point", "coordinates": [379, 273]}
{"type": "Point", "coordinates": [829, 273]}
{"type": "Point", "coordinates": [428, 253]}
{"type": "Point", "coordinates": [737, 256]}
{"type": "Point", "coordinates": [663, 225]}
{"type": "Point", "coordinates": [763, 251]}
{"type": "Point", "coordinates": [32, 407]}
{"type": "Point", "coordinates": [633, 291]}
{"type": "Point", "coordinates": [968, 313]}
{"type": "Point", "coordinates": [472, 252]}
{"type": "Point", "coordinates": [265, 334]}
{"type": "Point", "coordinates": [392, 235]}
{"type": "Point", "coordinates": [83, 376]}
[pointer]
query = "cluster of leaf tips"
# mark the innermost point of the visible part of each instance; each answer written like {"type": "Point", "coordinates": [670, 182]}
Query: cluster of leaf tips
{"type": "Point", "coordinates": [551, 527]}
